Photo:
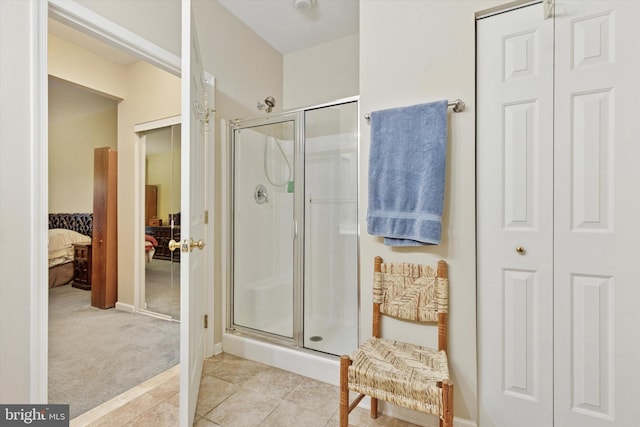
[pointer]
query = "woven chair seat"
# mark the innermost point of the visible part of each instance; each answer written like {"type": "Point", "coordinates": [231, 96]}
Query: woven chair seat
{"type": "Point", "coordinates": [401, 373]}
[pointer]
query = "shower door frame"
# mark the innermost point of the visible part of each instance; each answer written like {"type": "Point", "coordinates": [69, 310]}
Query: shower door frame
{"type": "Point", "coordinates": [298, 118]}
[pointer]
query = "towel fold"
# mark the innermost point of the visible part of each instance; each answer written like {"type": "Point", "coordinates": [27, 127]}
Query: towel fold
{"type": "Point", "coordinates": [407, 164]}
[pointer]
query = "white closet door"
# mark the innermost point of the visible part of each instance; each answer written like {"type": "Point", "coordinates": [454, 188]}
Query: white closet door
{"type": "Point", "coordinates": [597, 214]}
{"type": "Point", "coordinates": [515, 210]}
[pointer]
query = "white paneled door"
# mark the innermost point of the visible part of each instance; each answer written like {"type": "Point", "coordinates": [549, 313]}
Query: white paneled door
{"type": "Point", "coordinates": [597, 208]}
{"type": "Point", "coordinates": [515, 218]}
{"type": "Point", "coordinates": [195, 119]}
{"type": "Point", "coordinates": [558, 207]}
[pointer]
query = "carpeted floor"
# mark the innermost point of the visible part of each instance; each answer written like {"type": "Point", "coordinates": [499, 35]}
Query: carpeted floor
{"type": "Point", "coordinates": [95, 354]}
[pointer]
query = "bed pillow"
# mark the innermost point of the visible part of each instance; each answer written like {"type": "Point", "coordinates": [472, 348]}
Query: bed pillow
{"type": "Point", "coordinates": [61, 243]}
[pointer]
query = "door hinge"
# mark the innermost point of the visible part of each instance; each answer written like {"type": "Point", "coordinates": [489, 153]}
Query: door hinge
{"type": "Point", "coordinates": [206, 321]}
{"type": "Point", "coordinates": [206, 216]}
{"type": "Point", "coordinates": [549, 6]}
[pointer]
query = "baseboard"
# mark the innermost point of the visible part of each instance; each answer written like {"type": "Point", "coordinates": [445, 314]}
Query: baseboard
{"type": "Point", "coordinates": [305, 363]}
{"type": "Point", "coordinates": [217, 349]}
{"type": "Point", "coordinates": [461, 422]}
{"type": "Point", "coordinates": [125, 307]}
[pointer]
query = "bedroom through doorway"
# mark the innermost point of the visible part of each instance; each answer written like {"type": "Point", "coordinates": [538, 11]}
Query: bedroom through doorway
{"type": "Point", "coordinates": [96, 95]}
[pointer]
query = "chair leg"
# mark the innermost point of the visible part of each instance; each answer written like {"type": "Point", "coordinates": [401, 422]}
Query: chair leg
{"type": "Point", "coordinates": [374, 408]}
{"type": "Point", "coordinates": [447, 404]}
{"type": "Point", "coordinates": [345, 362]}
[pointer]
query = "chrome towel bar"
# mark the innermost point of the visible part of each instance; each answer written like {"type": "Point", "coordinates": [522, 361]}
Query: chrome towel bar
{"type": "Point", "coordinates": [458, 106]}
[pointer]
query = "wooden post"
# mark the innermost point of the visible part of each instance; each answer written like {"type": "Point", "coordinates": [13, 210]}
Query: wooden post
{"type": "Point", "coordinates": [443, 317]}
{"type": "Point", "coordinates": [104, 275]}
{"type": "Point", "coordinates": [375, 327]}
{"type": "Point", "coordinates": [345, 361]}
{"type": "Point", "coordinates": [447, 403]}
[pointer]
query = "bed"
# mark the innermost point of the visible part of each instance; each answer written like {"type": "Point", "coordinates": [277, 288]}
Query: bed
{"type": "Point", "coordinates": [150, 245]}
{"type": "Point", "coordinates": [65, 230]}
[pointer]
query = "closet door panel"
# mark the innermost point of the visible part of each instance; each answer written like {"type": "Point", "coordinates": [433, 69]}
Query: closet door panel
{"type": "Point", "coordinates": [597, 206]}
{"type": "Point", "coordinates": [514, 194]}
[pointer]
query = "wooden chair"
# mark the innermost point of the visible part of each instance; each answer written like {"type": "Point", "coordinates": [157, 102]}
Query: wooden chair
{"type": "Point", "coordinates": [404, 374]}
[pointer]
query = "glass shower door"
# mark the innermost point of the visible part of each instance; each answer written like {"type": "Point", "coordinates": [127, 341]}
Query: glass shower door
{"type": "Point", "coordinates": [263, 227]}
{"type": "Point", "coordinates": [331, 230]}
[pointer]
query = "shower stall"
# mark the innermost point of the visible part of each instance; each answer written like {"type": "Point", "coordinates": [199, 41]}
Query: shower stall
{"type": "Point", "coordinates": [293, 228]}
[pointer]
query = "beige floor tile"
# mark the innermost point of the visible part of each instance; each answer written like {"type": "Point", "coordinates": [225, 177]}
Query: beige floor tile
{"type": "Point", "coordinates": [169, 376]}
{"type": "Point", "coordinates": [289, 414]}
{"type": "Point", "coordinates": [175, 399]}
{"type": "Point", "coordinates": [128, 412]}
{"type": "Point", "coordinates": [361, 418]}
{"type": "Point", "coordinates": [235, 392]}
{"type": "Point", "coordinates": [233, 369]}
{"type": "Point", "coordinates": [276, 382]}
{"type": "Point", "coordinates": [245, 408]}
{"type": "Point", "coordinates": [162, 415]}
{"type": "Point", "coordinates": [203, 422]}
{"type": "Point", "coordinates": [167, 389]}
{"type": "Point", "coordinates": [316, 395]}
{"type": "Point", "coordinates": [213, 391]}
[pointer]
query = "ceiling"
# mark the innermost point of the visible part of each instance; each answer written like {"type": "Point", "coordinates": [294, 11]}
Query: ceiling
{"type": "Point", "coordinates": [288, 29]}
{"type": "Point", "coordinates": [278, 22]}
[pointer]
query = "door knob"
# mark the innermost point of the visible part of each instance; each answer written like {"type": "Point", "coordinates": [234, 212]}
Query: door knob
{"type": "Point", "coordinates": [199, 244]}
{"type": "Point", "coordinates": [520, 250]}
{"type": "Point", "coordinates": [173, 245]}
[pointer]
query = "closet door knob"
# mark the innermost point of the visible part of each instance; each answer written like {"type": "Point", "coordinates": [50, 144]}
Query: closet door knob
{"type": "Point", "coordinates": [520, 250]}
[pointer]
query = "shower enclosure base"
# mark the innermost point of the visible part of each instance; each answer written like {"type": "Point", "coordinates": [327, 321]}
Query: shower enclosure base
{"type": "Point", "coordinates": [319, 367]}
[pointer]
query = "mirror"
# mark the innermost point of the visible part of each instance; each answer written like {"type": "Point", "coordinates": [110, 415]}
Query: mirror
{"type": "Point", "coordinates": [162, 221]}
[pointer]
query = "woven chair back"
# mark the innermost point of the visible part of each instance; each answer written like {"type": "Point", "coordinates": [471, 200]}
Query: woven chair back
{"type": "Point", "coordinates": [411, 292]}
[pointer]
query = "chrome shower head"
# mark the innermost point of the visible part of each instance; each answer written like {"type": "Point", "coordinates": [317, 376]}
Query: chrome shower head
{"type": "Point", "coordinates": [271, 102]}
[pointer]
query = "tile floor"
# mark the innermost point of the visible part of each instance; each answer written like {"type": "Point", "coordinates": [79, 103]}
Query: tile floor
{"type": "Point", "coordinates": [233, 392]}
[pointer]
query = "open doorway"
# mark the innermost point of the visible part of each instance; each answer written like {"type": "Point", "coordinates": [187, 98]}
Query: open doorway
{"type": "Point", "coordinates": [85, 372]}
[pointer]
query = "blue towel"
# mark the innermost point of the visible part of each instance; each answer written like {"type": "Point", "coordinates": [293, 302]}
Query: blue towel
{"type": "Point", "coordinates": [407, 164]}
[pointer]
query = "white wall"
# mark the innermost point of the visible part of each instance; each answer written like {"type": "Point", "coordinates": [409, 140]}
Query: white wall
{"type": "Point", "coordinates": [23, 167]}
{"type": "Point", "coordinates": [321, 73]}
{"type": "Point", "coordinates": [411, 52]}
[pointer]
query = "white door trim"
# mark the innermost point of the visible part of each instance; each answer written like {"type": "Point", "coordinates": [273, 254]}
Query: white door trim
{"type": "Point", "coordinates": [39, 290]}
{"type": "Point", "coordinates": [95, 25]}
